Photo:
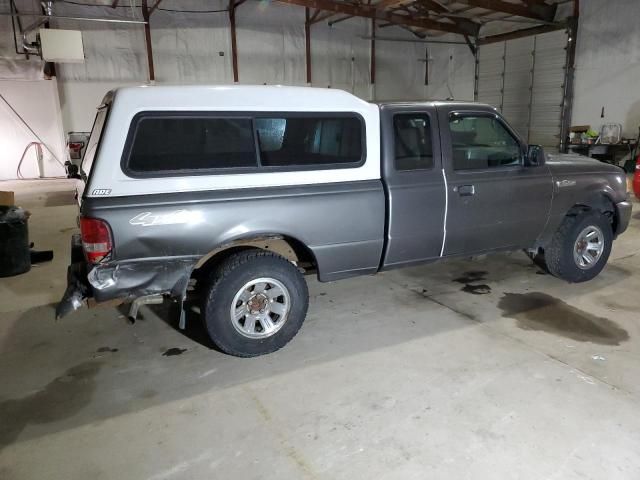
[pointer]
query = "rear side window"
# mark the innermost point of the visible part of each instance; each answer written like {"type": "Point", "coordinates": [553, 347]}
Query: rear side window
{"type": "Point", "coordinates": [183, 144]}
{"type": "Point", "coordinates": [412, 142]}
{"type": "Point", "coordinates": [309, 140]}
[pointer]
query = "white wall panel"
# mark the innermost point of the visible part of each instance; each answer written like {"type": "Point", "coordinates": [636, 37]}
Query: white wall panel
{"type": "Point", "coordinates": [548, 88]}
{"type": "Point", "coordinates": [195, 48]}
{"type": "Point", "coordinates": [37, 103]}
{"type": "Point", "coordinates": [524, 79]}
{"type": "Point", "coordinates": [271, 45]}
{"type": "Point", "coordinates": [608, 65]}
{"type": "Point", "coordinates": [395, 57]}
{"type": "Point", "coordinates": [452, 68]}
{"type": "Point", "coordinates": [187, 46]}
{"type": "Point", "coordinates": [340, 57]}
{"type": "Point", "coordinates": [491, 74]}
{"type": "Point", "coordinates": [12, 65]}
{"type": "Point", "coordinates": [517, 83]}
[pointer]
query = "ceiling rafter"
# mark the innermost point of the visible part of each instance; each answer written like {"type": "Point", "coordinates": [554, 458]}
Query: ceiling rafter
{"type": "Point", "coordinates": [439, 10]}
{"type": "Point", "coordinates": [375, 12]}
{"type": "Point", "coordinates": [538, 11]}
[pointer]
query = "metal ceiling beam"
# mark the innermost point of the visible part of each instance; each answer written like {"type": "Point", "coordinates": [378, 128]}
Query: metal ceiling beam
{"type": "Point", "coordinates": [147, 40]}
{"type": "Point", "coordinates": [320, 17]}
{"type": "Point", "coordinates": [387, 4]}
{"type": "Point", "coordinates": [521, 33]}
{"type": "Point", "coordinates": [66, 17]}
{"type": "Point", "coordinates": [154, 6]}
{"type": "Point", "coordinates": [371, 11]}
{"type": "Point", "coordinates": [531, 10]}
{"type": "Point", "coordinates": [441, 10]}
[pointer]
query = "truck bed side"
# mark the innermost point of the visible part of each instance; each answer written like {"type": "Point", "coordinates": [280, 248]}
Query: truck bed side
{"type": "Point", "coordinates": [342, 224]}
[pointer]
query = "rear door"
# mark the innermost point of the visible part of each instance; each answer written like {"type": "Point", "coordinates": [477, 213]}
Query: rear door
{"type": "Point", "coordinates": [413, 177]}
{"type": "Point", "coordinates": [494, 201]}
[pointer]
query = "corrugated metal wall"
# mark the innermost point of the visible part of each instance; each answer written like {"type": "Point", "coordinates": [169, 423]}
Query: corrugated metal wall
{"type": "Point", "coordinates": [524, 79]}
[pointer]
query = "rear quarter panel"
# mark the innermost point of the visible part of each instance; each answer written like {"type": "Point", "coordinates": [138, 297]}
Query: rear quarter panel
{"type": "Point", "coordinates": [341, 223]}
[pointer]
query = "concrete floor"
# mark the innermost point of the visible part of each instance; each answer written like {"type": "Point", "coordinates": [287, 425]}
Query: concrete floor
{"type": "Point", "coordinates": [465, 369]}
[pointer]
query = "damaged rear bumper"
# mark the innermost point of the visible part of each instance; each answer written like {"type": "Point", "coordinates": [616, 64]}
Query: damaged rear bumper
{"type": "Point", "coordinates": [78, 288]}
{"type": "Point", "coordinates": [124, 280]}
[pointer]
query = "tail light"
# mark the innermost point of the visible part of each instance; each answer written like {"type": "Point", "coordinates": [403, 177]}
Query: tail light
{"type": "Point", "coordinates": [75, 150]}
{"type": "Point", "coordinates": [638, 164]}
{"type": "Point", "coordinates": [96, 239]}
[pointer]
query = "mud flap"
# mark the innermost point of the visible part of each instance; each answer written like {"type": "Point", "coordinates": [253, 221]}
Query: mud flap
{"type": "Point", "coordinates": [78, 288]}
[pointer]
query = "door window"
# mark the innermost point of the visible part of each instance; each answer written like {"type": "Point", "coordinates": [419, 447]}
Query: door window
{"type": "Point", "coordinates": [482, 142]}
{"type": "Point", "coordinates": [412, 142]}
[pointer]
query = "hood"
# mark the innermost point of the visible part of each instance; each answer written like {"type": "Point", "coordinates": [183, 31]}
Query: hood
{"type": "Point", "coordinates": [567, 163]}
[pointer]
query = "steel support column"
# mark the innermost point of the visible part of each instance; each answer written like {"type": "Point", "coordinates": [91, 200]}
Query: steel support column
{"type": "Point", "coordinates": [307, 42]}
{"type": "Point", "coordinates": [373, 51]}
{"type": "Point", "coordinates": [567, 97]}
{"type": "Point", "coordinates": [234, 46]}
{"type": "Point", "coordinates": [147, 40]}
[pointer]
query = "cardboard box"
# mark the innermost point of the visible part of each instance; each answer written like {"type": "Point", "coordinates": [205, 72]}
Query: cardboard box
{"type": "Point", "coordinates": [6, 198]}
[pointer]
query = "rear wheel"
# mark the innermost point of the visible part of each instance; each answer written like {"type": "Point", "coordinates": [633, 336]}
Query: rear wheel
{"type": "Point", "coordinates": [580, 248]}
{"type": "Point", "coordinates": [255, 303]}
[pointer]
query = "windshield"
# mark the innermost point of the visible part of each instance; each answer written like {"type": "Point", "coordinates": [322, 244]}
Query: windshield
{"type": "Point", "coordinates": [94, 140]}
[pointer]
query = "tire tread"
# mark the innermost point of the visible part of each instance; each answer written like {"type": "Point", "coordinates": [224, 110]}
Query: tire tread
{"type": "Point", "coordinates": [218, 277]}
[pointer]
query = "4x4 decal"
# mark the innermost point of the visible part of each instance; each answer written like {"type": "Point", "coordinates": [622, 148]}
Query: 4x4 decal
{"type": "Point", "coordinates": [148, 219]}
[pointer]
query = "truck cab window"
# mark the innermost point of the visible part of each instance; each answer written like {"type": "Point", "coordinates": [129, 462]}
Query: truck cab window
{"type": "Point", "coordinates": [412, 142]}
{"type": "Point", "coordinates": [482, 142]}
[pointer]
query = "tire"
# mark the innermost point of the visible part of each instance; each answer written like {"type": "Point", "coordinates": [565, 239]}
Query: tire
{"type": "Point", "coordinates": [255, 303]}
{"type": "Point", "coordinates": [563, 256]}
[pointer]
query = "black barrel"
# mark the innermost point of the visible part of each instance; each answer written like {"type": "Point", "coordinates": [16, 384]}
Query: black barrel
{"type": "Point", "coordinates": [14, 242]}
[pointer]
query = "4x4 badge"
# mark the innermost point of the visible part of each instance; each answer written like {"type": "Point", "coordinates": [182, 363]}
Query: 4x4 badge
{"type": "Point", "coordinates": [148, 219]}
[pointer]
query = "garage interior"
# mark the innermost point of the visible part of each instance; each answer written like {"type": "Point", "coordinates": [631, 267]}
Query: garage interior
{"type": "Point", "coordinates": [483, 367]}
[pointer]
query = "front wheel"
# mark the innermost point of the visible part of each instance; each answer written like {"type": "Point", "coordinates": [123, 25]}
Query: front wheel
{"type": "Point", "coordinates": [255, 303]}
{"type": "Point", "coordinates": [580, 248]}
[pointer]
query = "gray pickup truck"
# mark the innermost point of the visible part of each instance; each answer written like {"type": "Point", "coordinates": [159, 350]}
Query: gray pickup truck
{"type": "Point", "coordinates": [230, 194]}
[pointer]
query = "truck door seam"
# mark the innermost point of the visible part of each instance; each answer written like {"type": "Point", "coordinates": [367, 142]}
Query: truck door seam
{"type": "Point", "coordinates": [446, 208]}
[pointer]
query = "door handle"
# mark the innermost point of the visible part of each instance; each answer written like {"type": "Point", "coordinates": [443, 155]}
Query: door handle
{"type": "Point", "coordinates": [466, 190]}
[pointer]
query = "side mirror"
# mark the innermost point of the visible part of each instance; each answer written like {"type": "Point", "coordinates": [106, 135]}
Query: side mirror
{"type": "Point", "coordinates": [535, 156]}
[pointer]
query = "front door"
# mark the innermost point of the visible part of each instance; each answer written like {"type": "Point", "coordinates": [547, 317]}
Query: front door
{"type": "Point", "coordinates": [494, 200]}
{"type": "Point", "coordinates": [415, 184]}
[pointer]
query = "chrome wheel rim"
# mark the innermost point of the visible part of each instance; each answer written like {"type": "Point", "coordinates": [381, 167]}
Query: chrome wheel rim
{"type": "Point", "coordinates": [589, 247]}
{"type": "Point", "coordinates": [260, 308]}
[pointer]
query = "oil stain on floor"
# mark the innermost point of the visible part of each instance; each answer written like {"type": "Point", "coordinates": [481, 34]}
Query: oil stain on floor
{"type": "Point", "coordinates": [63, 397]}
{"type": "Point", "coordinates": [542, 312]}
{"type": "Point", "coordinates": [172, 352]}
{"type": "Point", "coordinates": [481, 289]}
{"type": "Point", "coordinates": [472, 276]}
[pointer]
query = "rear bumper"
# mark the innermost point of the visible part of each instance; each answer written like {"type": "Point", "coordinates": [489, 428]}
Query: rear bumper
{"type": "Point", "coordinates": [126, 280]}
{"type": "Point", "coordinates": [623, 216]}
